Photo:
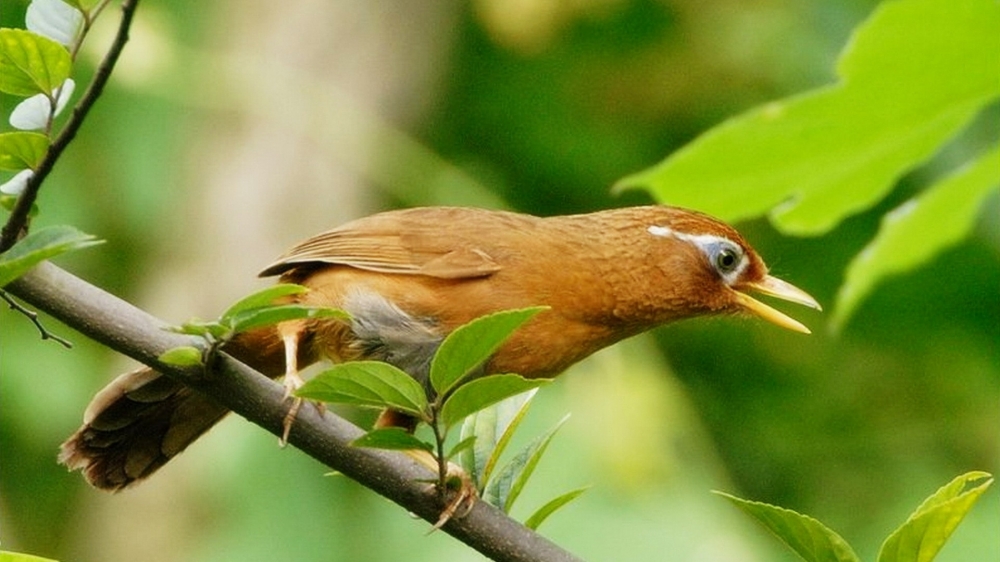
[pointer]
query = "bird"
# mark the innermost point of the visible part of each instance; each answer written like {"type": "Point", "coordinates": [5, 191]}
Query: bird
{"type": "Point", "coordinates": [409, 277]}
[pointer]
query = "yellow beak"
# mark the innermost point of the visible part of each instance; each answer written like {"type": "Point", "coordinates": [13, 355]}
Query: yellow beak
{"type": "Point", "coordinates": [777, 288]}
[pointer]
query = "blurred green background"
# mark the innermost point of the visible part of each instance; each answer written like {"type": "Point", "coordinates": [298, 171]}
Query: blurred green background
{"type": "Point", "coordinates": [234, 129]}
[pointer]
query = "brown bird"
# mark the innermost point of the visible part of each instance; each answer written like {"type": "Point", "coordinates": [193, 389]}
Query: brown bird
{"type": "Point", "coordinates": [410, 277]}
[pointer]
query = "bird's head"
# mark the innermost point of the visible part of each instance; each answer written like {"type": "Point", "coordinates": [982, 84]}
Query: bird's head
{"type": "Point", "coordinates": [720, 268]}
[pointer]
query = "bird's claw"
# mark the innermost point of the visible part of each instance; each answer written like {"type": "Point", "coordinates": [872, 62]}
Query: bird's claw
{"type": "Point", "coordinates": [464, 495]}
{"type": "Point", "coordinates": [293, 382]}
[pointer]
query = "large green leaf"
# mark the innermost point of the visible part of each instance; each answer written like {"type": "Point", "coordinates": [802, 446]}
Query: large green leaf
{"type": "Point", "coordinates": [492, 429]}
{"type": "Point", "coordinates": [504, 489]}
{"type": "Point", "coordinates": [911, 77]}
{"type": "Point", "coordinates": [481, 393]}
{"type": "Point", "coordinates": [31, 64]}
{"type": "Point", "coordinates": [263, 298]}
{"type": "Point", "coordinates": [919, 230]}
{"type": "Point", "coordinates": [925, 532]}
{"type": "Point", "coordinates": [39, 246]}
{"type": "Point", "coordinates": [471, 345]}
{"type": "Point", "coordinates": [269, 315]}
{"type": "Point", "coordinates": [368, 383]}
{"type": "Point", "coordinates": [809, 538]}
{"type": "Point", "coordinates": [22, 150]}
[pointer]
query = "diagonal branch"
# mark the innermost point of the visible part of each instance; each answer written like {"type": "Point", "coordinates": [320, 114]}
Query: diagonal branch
{"type": "Point", "coordinates": [18, 219]}
{"type": "Point", "coordinates": [324, 436]}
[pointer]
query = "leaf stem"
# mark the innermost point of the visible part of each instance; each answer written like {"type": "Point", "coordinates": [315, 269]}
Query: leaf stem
{"type": "Point", "coordinates": [439, 439]}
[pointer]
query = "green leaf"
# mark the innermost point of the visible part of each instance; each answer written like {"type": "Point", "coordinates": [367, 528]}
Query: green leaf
{"type": "Point", "coordinates": [469, 346]}
{"type": "Point", "coordinates": [22, 150]}
{"type": "Point", "coordinates": [207, 330]}
{"type": "Point", "coordinates": [462, 446]}
{"type": "Point", "coordinates": [910, 78]}
{"type": "Point", "coordinates": [918, 230]}
{"type": "Point", "coordinates": [504, 490]}
{"type": "Point", "coordinates": [483, 392]}
{"type": "Point", "coordinates": [267, 316]}
{"type": "Point", "coordinates": [31, 64]}
{"type": "Point", "coordinates": [809, 538]}
{"type": "Point", "coordinates": [184, 356]}
{"type": "Point", "coordinates": [39, 246]}
{"type": "Point", "coordinates": [492, 428]}
{"type": "Point", "coordinates": [394, 438]}
{"type": "Point", "coordinates": [368, 383]}
{"type": "Point", "coordinates": [550, 507]}
{"type": "Point", "coordinates": [263, 298]}
{"type": "Point", "coordinates": [83, 5]}
{"type": "Point", "coordinates": [6, 556]}
{"type": "Point", "coordinates": [925, 532]}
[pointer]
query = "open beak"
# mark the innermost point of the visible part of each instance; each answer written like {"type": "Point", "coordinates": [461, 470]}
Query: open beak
{"type": "Point", "coordinates": [777, 288]}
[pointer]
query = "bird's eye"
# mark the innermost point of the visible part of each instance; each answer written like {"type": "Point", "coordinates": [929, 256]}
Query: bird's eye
{"type": "Point", "coordinates": [727, 260]}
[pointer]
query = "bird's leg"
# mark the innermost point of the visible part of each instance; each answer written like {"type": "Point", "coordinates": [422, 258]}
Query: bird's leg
{"type": "Point", "coordinates": [293, 381]}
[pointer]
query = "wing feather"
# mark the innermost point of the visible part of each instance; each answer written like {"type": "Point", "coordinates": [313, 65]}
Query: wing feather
{"type": "Point", "coordinates": [415, 241]}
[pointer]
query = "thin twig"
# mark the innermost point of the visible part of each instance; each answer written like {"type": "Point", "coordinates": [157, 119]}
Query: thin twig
{"type": "Point", "coordinates": [33, 316]}
{"type": "Point", "coordinates": [18, 219]}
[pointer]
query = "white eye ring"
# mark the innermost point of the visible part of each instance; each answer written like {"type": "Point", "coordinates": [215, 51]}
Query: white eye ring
{"type": "Point", "coordinates": [726, 257]}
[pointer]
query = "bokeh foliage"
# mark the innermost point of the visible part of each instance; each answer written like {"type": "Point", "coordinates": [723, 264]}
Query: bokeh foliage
{"type": "Point", "coordinates": [541, 110]}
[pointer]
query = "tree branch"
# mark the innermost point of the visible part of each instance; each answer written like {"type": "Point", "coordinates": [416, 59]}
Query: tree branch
{"type": "Point", "coordinates": [18, 218]}
{"type": "Point", "coordinates": [324, 436]}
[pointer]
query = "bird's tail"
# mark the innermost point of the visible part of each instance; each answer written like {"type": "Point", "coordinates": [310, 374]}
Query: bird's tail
{"type": "Point", "coordinates": [143, 418]}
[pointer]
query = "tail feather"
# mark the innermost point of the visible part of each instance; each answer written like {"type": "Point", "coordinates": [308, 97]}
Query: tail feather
{"type": "Point", "coordinates": [143, 418]}
{"type": "Point", "coordinates": [134, 426]}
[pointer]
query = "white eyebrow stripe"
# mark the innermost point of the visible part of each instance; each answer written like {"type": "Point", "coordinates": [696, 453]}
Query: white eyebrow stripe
{"type": "Point", "coordinates": [697, 239]}
{"type": "Point", "coordinates": [661, 231]}
{"type": "Point", "coordinates": [702, 242]}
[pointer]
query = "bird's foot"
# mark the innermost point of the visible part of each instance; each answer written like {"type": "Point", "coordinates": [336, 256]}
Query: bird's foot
{"type": "Point", "coordinates": [455, 486]}
{"type": "Point", "coordinates": [463, 495]}
{"type": "Point", "coordinates": [293, 382]}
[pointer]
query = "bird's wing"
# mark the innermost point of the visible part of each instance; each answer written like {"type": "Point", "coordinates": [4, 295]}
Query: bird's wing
{"type": "Point", "coordinates": [415, 243]}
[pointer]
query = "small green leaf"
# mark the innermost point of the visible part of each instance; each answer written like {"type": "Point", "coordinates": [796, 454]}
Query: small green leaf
{"type": "Point", "coordinates": [504, 490]}
{"type": "Point", "coordinates": [809, 538]}
{"type": "Point", "coordinates": [926, 531]}
{"type": "Point", "coordinates": [9, 201]}
{"type": "Point", "coordinates": [31, 64]}
{"type": "Point", "coordinates": [471, 345]}
{"type": "Point", "coordinates": [6, 556]}
{"type": "Point", "coordinates": [918, 230]}
{"type": "Point", "coordinates": [270, 315]}
{"type": "Point", "coordinates": [184, 356]}
{"type": "Point", "coordinates": [462, 446]}
{"type": "Point", "coordinates": [550, 507]}
{"type": "Point", "coordinates": [263, 298]}
{"type": "Point", "coordinates": [39, 246]}
{"type": "Point", "coordinates": [395, 438]}
{"type": "Point", "coordinates": [83, 5]}
{"type": "Point", "coordinates": [22, 150]}
{"type": "Point", "coordinates": [208, 330]}
{"type": "Point", "coordinates": [481, 393]}
{"type": "Point", "coordinates": [492, 428]}
{"type": "Point", "coordinates": [368, 383]}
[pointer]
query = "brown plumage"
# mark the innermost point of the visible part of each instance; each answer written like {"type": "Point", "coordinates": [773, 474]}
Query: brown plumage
{"type": "Point", "coordinates": [410, 277]}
